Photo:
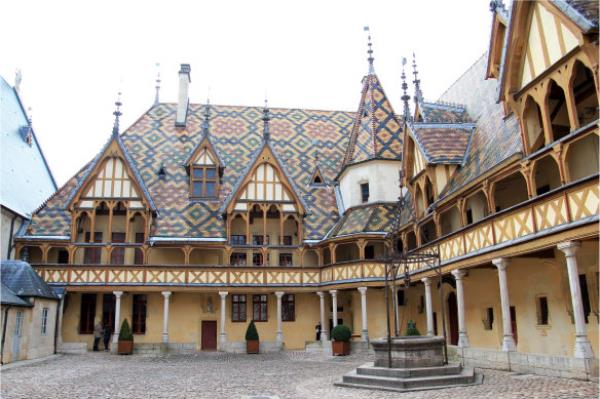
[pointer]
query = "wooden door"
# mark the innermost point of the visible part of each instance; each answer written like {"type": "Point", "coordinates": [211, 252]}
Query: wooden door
{"type": "Point", "coordinates": [453, 318]}
{"type": "Point", "coordinates": [209, 335]}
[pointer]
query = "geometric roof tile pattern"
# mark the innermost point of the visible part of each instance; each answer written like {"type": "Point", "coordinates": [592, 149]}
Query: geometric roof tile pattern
{"type": "Point", "coordinates": [436, 112]}
{"type": "Point", "coordinates": [443, 143]}
{"type": "Point", "coordinates": [371, 218]}
{"type": "Point", "coordinates": [377, 132]}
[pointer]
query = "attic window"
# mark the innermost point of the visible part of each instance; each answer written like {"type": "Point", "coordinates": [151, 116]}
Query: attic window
{"type": "Point", "coordinates": [162, 173]}
{"type": "Point", "coordinates": [317, 179]}
{"type": "Point", "coordinates": [204, 181]}
{"type": "Point", "coordinates": [364, 192]}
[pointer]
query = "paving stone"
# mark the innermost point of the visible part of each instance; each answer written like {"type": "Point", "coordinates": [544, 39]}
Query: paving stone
{"type": "Point", "coordinates": [284, 375]}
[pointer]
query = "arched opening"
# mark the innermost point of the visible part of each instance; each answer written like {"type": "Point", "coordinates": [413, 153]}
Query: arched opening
{"type": "Point", "coordinates": [82, 228]}
{"type": "Point", "coordinates": [91, 255]}
{"type": "Point", "coordinates": [399, 246]}
{"type": "Point", "coordinates": [428, 232]}
{"type": "Point", "coordinates": [411, 240]}
{"type": "Point", "coordinates": [510, 191]}
{"type": "Point", "coordinates": [136, 235]}
{"type": "Point", "coordinates": [546, 175]}
{"type": "Point", "coordinates": [453, 318]}
{"type": "Point", "coordinates": [58, 255]}
{"type": "Point", "coordinates": [532, 121]}
{"type": "Point", "coordinates": [290, 231]}
{"type": "Point", "coordinates": [476, 207]}
{"type": "Point", "coordinates": [557, 109]}
{"type": "Point", "coordinates": [257, 228]}
{"type": "Point", "coordinates": [238, 230]}
{"type": "Point", "coordinates": [273, 231]}
{"type": "Point", "coordinates": [582, 157]}
{"type": "Point", "coordinates": [326, 256]}
{"type": "Point", "coordinates": [205, 256]}
{"type": "Point", "coordinates": [420, 205]}
{"type": "Point", "coordinates": [31, 254]}
{"type": "Point", "coordinates": [584, 93]}
{"type": "Point", "coordinates": [429, 197]}
{"type": "Point", "coordinates": [374, 249]}
{"type": "Point", "coordinates": [450, 221]}
{"type": "Point", "coordinates": [310, 258]}
{"type": "Point", "coordinates": [165, 256]}
{"type": "Point", "coordinates": [346, 252]}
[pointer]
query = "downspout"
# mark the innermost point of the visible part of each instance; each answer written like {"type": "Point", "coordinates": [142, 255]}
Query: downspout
{"type": "Point", "coordinates": [4, 334]}
{"type": "Point", "coordinates": [58, 307]}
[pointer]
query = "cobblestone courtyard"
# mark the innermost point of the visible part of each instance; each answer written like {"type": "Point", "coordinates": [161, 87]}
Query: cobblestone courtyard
{"type": "Point", "coordinates": [219, 375]}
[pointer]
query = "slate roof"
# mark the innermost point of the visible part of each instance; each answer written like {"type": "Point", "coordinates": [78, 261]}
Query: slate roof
{"type": "Point", "coordinates": [443, 143]}
{"type": "Point", "coordinates": [371, 218]}
{"type": "Point", "coordinates": [583, 12]}
{"type": "Point", "coordinates": [437, 112]}
{"type": "Point", "coordinates": [23, 281]}
{"type": "Point", "coordinates": [377, 132]}
{"type": "Point", "coordinates": [8, 297]}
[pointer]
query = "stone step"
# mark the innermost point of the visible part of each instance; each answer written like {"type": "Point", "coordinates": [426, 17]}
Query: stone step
{"type": "Point", "coordinates": [72, 347]}
{"type": "Point", "coordinates": [369, 369]}
{"type": "Point", "coordinates": [466, 377]}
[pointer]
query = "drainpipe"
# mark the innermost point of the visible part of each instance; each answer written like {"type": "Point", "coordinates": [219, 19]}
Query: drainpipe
{"type": "Point", "coordinates": [3, 335]}
{"type": "Point", "coordinates": [56, 332]}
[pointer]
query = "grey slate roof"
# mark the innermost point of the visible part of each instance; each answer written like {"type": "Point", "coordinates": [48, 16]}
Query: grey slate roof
{"type": "Point", "coordinates": [7, 297]}
{"type": "Point", "coordinates": [23, 281]}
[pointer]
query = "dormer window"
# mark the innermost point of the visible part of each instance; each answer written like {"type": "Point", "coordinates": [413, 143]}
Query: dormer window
{"type": "Point", "coordinates": [364, 192]}
{"type": "Point", "coordinates": [204, 181]}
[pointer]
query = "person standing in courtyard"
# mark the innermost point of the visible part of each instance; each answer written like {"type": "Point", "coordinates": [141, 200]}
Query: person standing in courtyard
{"type": "Point", "coordinates": [318, 331]}
{"type": "Point", "coordinates": [98, 331]}
{"type": "Point", "coordinates": [107, 334]}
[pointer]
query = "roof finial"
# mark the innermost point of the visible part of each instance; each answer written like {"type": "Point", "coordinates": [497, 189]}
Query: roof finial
{"type": "Point", "coordinates": [156, 97]}
{"type": "Point", "coordinates": [417, 82]}
{"type": "Point", "coordinates": [266, 119]}
{"type": "Point", "coordinates": [117, 114]}
{"type": "Point", "coordinates": [405, 97]}
{"type": "Point", "coordinates": [370, 51]}
{"type": "Point", "coordinates": [205, 123]}
{"type": "Point", "coordinates": [495, 5]}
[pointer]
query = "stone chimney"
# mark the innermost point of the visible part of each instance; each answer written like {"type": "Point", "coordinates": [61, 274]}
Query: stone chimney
{"type": "Point", "coordinates": [184, 85]}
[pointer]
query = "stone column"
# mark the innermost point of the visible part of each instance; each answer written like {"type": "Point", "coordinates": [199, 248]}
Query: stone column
{"type": "Point", "coordinates": [508, 342]}
{"type": "Point", "coordinates": [394, 289]}
{"type": "Point", "coordinates": [165, 333]}
{"type": "Point", "coordinates": [334, 306]}
{"type": "Point", "coordinates": [115, 339]}
{"type": "Point", "coordinates": [279, 337]}
{"type": "Point", "coordinates": [583, 348]}
{"type": "Point", "coordinates": [463, 338]}
{"type": "Point", "coordinates": [364, 332]}
{"type": "Point", "coordinates": [428, 305]}
{"type": "Point", "coordinates": [322, 308]}
{"type": "Point", "coordinates": [223, 334]}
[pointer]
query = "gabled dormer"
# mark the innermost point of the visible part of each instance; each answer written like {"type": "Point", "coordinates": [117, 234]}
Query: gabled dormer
{"type": "Point", "coordinates": [497, 39]}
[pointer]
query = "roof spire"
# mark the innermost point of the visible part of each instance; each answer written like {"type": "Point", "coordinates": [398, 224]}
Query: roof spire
{"type": "Point", "coordinates": [405, 97]}
{"type": "Point", "coordinates": [417, 82]}
{"type": "Point", "coordinates": [495, 5]}
{"type": "Point", "coordinates": [266, 119]}
{"type": "Point", "coordinates": [370, 51]}
{"type": "Point", "coordinates": [117, 114]}
{"type": "Point", "coordinates": [205, 123]}
{"type": "Point", "coordinates": [156, 97]}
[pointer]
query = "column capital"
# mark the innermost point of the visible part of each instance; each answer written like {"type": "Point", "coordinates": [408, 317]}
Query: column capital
{"type": "Point", "coordinates": [223, 294]}
{"type": "Point", "coordinates": [166, 294]}
{"type": "Point", "coordinates": [458, 274]}
{"type": "Point", "coordinates": [500, 263]}
{"type": "Point", "coordinates": [426, 281]}
{"type": "Point", "coordinates": [569, 248]}
{"type": "Point", "coordinates": [362, 290]}
{"type": "Point", "coordinates": [279, 294]}
{"type": "Point", "coordinates": [333, 292]}
{"type": "Point", "coordinates": [118, 294]}
{"type": "Point", "coordinates": [321, 294]}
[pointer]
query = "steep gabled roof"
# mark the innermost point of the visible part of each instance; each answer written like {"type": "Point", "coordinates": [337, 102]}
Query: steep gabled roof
{"type": "Point", "coordinates": [8, 297]}
{"type": "Point", "coordinates": [442, 143]}
{"type": "Point", "coordinates": [372, 218]}
{"type": "Point", "coordinates": [377, 132]}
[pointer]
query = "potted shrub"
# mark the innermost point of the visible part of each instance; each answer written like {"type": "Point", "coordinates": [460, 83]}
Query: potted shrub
{"type": "Point", "coordinates": [252, 342]}
{"type": "Point", "coordinates": [341, 340]}
{"type": "Point", "coordinates": [411, 329]}
{"type": "Point", "coordinates": [125, 346]}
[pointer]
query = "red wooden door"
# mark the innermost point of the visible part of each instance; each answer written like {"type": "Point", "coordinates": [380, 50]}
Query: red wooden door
{"type": "Point", "coordinates": [209, 335]}
{"type": "Point", "coordinates": [453, 318]}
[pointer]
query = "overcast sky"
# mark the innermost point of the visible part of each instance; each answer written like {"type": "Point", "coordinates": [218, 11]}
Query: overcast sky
{"type": "Point", "coordinates": [76, 55]}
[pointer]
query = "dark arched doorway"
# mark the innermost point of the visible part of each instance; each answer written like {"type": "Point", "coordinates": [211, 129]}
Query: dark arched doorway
{"type": "Point", "coordinates": [453, 318]}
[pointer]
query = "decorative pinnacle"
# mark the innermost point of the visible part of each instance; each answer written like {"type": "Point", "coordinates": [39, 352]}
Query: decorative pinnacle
{"type": "Point", "coordinates": [405, 97]}
{"type": "Point", "coordinates": [370, 51]}
{"type": "Point", "coordinates": [266, 118]}
{"type": "Point", "coordinates": [417, 82]}
{"type": "Point", "coordinates": [156, 98]}
{"type": "Point", "coordinates": [117, 114]}
{"type": "Point", "coordinates": [495, 5]}
{"type": "Point", "coordinates": [206, 118]}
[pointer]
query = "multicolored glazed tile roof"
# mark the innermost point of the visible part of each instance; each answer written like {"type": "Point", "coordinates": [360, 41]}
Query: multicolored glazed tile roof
{"type": "Point", "coordinates": [443, 143]}
{"type": "Point", "coordinates": [437, 112]}
{"type": "Point", "coordinates": [371, 218]}
{"type": "Point", "coordinates": [377, 132]}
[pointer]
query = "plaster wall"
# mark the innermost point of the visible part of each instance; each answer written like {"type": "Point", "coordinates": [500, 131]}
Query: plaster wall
{"type": "Point", "coordinates": [382, 177]}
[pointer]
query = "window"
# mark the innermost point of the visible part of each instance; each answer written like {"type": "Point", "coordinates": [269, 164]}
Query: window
{"type": "Point", "coordinates": [63, 256]}
{"type": "Point", "coordinates": [139, 254]}
{"type": "Point", "coordinates": [260, 240]}
{"type": "Point", "coordinates": [238, 259]}
{"type": "Point", "coordinates": [238, 239]}
{"type": "Point", "coordinates": [488, 322]}
{"type": "Point", "coordinates": [204, 181]}
{"type": "Point", "coordinates": [421, 304]}
{"type": "Point", "coordinates": [87, 313]}
{"type": "Point", "coordinates": [542, 311]}
{"type": "Point", "coordinates": [288, 307]}
{"type": "Point", "coordinates": [364, 192]}
{"type": "Point", "coordinates": [469, 216]}
{"type": "Point", "coordinates": [285, 260]}
{"type": "Point", "coordinates": [108, 311]}
{"type": "Point", "coordinates": [259, 307]}
{"type": "Point", "coordinates": [138, 315]}
{"type": "Point", "coordinates": [238, 307]}
{"type": "Point", "coordinates": [257, 259]}
{"type": "Point", "coordinates": [45, 321]}
{"type": "Point", "coordinates": [287, 240]}
{"type": "Point", "coordinates": [435, 330]}
{"type": "Point", "coordinates": [117, 255]}
{"type": "Point", "coordinates": [19, 324]}
{"type": "Point", "coordinates": [585, 296]}
{"type": "Point", "coordinates": [93, 255]}
{"type": "Point", "coordinates": [369, 252]}
{"type": "Point", "coordinates": [401, 298]}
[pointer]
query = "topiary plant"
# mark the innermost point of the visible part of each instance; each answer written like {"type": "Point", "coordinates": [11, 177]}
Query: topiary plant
{"type": "Point", "coordinates": [411, 328]}
{"type": "Point", "coordinates": [125, 332]}
{"type": "Point", "coordinates": [251, 333]}
{"type": "Point", "coordinates": [341, 333]}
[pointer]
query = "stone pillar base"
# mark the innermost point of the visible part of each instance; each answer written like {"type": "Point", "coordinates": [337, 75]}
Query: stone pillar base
{"type": "Point", "coordinates": [508, 344]}
{"type": "Point", "coordinates": [463, 340]}
{"type": "Point", "coordinates": [364, 335]}
{"type": "Point", "coordinates": [583, 348]}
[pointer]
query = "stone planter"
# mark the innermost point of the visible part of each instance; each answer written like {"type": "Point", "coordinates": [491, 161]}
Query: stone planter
{"type": "Point", "coordinates": [252, 347]}
{"type": "Point", "coordinates": [340, 348]}
{"type": "Point", "coordinates": [410, 351]}
{"type": "Point", "coordinates": [125, 347]}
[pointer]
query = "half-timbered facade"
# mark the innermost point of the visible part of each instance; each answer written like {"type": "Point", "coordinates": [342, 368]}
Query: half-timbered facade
{"type": "Point", "coordinates": [199, 218]}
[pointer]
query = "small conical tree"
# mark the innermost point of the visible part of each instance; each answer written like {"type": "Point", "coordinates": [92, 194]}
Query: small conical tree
{"type": "Point", "coordinates": [251, 332]}
{"type": "Point", "coordinates": [411, 328]}
{"type": "Point", "coordinates": [125, 332]}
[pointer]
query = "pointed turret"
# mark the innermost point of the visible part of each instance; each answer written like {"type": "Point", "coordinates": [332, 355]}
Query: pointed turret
{"type": "Point", "coordinates": [117, 114]}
